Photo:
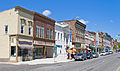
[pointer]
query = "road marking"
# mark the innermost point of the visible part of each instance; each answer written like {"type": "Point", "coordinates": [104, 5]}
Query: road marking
{"type": "Point", "coordinates": [118, 68]}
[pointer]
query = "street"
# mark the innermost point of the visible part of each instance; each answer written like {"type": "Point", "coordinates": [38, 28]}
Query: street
{"type": "Point", "coordinates": [103, 63]}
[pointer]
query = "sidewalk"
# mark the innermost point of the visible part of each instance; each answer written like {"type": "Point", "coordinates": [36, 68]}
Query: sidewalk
{"type": "Point", "coordinates": [44, 61]}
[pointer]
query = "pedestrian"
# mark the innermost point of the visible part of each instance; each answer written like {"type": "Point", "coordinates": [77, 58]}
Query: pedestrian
{"type": "Point", "coordinates": [68, 55]}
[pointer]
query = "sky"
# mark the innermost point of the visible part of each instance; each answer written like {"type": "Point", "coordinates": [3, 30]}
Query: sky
{"type": "Point", "coordinates": [99, 15]}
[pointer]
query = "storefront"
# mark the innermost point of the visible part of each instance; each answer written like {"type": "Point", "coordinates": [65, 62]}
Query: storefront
{"type": "Point", "coordinates": [21, 48]}
{"type": "Point", "coordinates": [43, 49]}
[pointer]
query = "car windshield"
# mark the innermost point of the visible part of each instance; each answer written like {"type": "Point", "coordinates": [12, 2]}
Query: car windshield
{"type": "Point", "coordinates": [95, 53]}
{"type": "Point", "coordinates": [79, 54]}
{"type": "Point", "coordinates": [102, 52]}
{"type": "Point", "coordinates": [88, 53]}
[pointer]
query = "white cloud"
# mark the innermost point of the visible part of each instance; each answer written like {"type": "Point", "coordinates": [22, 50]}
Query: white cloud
{"type": "Point", "coordinates": [95, 24]}
{"type": "Point", "coordinates": [111, 21]}
{"type": "Point", "coordinates": [46, 12]}
{"type": "Point", "coordinates": [83, 21]}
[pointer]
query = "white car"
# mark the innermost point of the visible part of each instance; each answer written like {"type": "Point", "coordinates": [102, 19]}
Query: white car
{"type": "Point", "coordinates": [102, 54]}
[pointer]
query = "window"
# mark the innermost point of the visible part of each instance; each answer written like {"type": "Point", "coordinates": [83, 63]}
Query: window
{"type": "Point", "coordinates": [55, 36]}
{"type": "Point", "coordinates": [22, 29]}
{"type": "Point", "coordinates": [30, 23]}
{"type": "Point", "coordinates": [61, 36]}
{"type": "Point", "coordinates": [58, 36]}
{"type": "Point", "coordinates": [39, 31]}
{"type": "Point", "coordinates": [12, 40]}
{"type": "Point", "coordinates": [6, 29]}
{"type": "Point", "coordinates": [23, 22]}
{"type": "Point", "coordinates": [64, 36]}
{"type": "Point", "coordinates": [51, 34]}
{"type": "Point", "coordinates": [29, 31]}
{"type": "Point", "coordinates": [13, 51]}
{"type": "Point", "coordinates": [47, 34]}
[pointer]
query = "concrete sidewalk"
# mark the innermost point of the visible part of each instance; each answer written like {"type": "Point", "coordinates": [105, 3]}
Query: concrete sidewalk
{"type": "Point", "coordinates": [58, 59]}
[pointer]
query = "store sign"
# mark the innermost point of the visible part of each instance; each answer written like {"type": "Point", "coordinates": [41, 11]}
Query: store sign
{"type": "Point", "coordinates": [50, 43]}
{"type": "Point", "coordinates": [25, 42]}
{"type": "Point", "coordinates": [77, 45]}
{"type": "Point", "coordinates": [39, 42]}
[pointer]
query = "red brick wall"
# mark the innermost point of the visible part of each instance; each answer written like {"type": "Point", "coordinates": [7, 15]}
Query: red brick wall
{"type": "Point", "coordinates": [46, 23]}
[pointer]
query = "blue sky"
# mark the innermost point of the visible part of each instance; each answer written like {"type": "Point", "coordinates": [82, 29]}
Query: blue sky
{"type": "Point", "coordinates": [102, 15]}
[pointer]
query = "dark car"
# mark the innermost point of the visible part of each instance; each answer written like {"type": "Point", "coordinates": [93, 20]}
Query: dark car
{"type": "Point", "coordinates": [80, 56]}
{"type": "Point", "coordinates": [89, 55]}
{"type": "Point", "coordinates": [95, 55]}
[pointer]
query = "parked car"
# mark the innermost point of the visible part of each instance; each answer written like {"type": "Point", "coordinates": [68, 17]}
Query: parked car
{"type": "Point", "coordinates": [89, 55]}
{"type": "Point", "coordinates": [80, 56]}
{"type": "Point", "coordinates": [107, 52]}
{"type": "Point", "coordinates": [111, 52]}
{"type": "Point", "coordinates": [102, 54]}
{"type": "Point", "coordinates": [95, 55]}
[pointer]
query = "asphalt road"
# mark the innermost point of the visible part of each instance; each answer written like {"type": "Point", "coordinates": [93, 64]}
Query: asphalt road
{"type": "Point", "coordinates": [103, 63]}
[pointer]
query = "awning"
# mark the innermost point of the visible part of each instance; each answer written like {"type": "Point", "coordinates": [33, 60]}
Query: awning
{"type": "Point", "coordinates": [25, 47]}
{"type": "Point", "coordinates": [88, 49]}
{"type": "Point", "coordinates": [93, 46]}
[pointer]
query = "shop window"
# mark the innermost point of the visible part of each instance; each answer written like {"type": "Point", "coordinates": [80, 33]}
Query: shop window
{"type": "Point", "coordinates": [13, 51]}
{"type": "Point", "coordinates": [19, 52]}
{"type": "Point", "coordinates": [12, 40]}
{"type": "Point", "coordinates": [38, 52]}
{"type": "Point", "coordinates": [6, 29]}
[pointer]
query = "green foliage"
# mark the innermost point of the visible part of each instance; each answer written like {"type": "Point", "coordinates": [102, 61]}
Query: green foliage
{"type": "Point", "coordinates": [115, 47]}
{"type": "Point", "coordinates": [27, 59]}
{"type": "Point", "coordinates": [118, 45]}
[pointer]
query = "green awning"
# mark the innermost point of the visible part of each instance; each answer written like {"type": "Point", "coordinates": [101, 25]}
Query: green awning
{"type": "Point", "coordinates": [55, 47]}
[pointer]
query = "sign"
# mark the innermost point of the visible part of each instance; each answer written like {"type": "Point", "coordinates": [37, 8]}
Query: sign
{"type": "Point", "coordinates": [39, 42]}
{"type": "Point", "coordinates": [49, 43]}
{"type": "Point", "coordinates": [25, 42]}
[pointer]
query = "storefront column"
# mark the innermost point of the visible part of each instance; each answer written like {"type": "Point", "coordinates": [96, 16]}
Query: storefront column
{"type": "Point", "coordinates": [9, 47]}
{"type": "Point", "coordinates": [44, 55]}
{"type": "Point", "coordinates": [16, 48]}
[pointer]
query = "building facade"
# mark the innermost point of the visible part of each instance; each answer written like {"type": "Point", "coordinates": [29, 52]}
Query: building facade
{"type": "Point", "coordinates": [25, 35]}
{"type": "Point", "coordinates": [78, 34]}
{"type": "Point", "coordinates": [16, 34]}
{"type": "Point", "coordinates": [63, 38]}
{"type": "Point", "coordinates": [99, 42]}
{"type": "Point", "coordinates": [90, 41]}
{"type": "Point", "coordinates": [43, 36]}
{"type": "Point", "coordinates": [107, 42]}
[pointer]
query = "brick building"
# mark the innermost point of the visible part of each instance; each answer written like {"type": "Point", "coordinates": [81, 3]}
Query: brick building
{"type": "Point", "coordinates": [43, 36]}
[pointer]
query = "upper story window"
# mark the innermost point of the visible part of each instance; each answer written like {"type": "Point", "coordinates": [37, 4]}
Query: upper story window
{"type": "Point", "coordinates": [22, 28]}
{"type": "Point", "coordinates": [51, 34]}
{"type": "Point", "coordinates": [30, 23]}
{"type": "Point", "coordinates": [29, 31]}
{"type": "Point", "coordinates": [58, 36]}
{"type": "Point", "coordinates": [47, 33]}
{"type": "Point", "coordinates": [23, 22]}
{"type": "Point", "coordinates": [61, 36]}
{"type": "Point", "coordinates": [6, 29]}
{"type": "Point", "coordinates": [39, 31]}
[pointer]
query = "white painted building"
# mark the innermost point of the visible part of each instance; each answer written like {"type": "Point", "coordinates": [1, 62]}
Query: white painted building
{"type": "Point", "coordinates": [62, 38]}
